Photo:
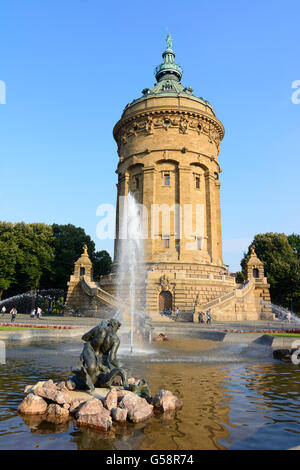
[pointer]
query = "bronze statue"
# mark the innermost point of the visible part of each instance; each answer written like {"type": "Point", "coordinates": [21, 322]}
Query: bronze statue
{"type": "Point", "coordinates": [98, 356]}
{"type": "Point", "coordinates": [98, 361]}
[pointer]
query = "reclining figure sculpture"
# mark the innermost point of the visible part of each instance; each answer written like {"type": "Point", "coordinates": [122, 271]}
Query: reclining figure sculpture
{"type": "Point", "coordinates": [98, 361]}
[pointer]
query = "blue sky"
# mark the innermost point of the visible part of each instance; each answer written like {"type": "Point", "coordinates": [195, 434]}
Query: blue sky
{"type": "Point", "coordinates": [70, 67]}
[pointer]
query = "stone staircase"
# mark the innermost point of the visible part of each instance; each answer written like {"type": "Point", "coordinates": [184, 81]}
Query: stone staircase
{"type": "Point", "coordinates": [92, 289]}
{"type": "Point", "coordinates": [242, 303]}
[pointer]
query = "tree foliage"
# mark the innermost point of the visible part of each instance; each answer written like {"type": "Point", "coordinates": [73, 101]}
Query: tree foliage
{"type": "Point", "coordinates": [8, 256]}
{"type": "Point", "coordinates": [101, 263]}
{"type": "Point", "coordinates": [42, 256]}
{"type": "Point", "coordinates": [68, 246]}
{"type": "Point", "coordinates": [35, 254]}
{"type": "Point", "coordinates": [280, 255]}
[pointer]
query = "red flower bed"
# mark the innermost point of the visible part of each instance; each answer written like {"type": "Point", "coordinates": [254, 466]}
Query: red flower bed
{"type": "Point", "coordinates": [26, 325]}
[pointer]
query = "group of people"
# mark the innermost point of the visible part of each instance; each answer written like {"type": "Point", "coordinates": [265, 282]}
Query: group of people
{"type": "Point", "coordinates": [13, 312]}
{"type": "Point", "coordinates": [285, 316]}
{"type": "Point", "coordinates": [36, 312]}
{"type": "Point", "coordinates": [204, 317]}
{"type": "Point", "coordinates": [169, 312]}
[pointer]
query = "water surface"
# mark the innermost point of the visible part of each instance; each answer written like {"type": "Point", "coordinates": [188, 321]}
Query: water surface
{"type": "Point", "coordinates": [235, 397]}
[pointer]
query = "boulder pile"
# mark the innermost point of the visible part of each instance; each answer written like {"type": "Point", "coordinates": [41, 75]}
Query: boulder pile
{"type": "Point", "coordinates": [59, 402]}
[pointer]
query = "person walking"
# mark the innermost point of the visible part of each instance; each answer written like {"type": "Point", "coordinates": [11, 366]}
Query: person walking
{"type": "Point", "coordinates": [200, 317]}
{"type": "Point", "coordinates": [208, 317]}
{"type": "Point", "coordinates": [3, 310]}
{"type": "Point", "coordinates": [13, 314]}
{"type": "Point", "coordinates": [39, 313]}
{"type": "Point", "coordinates": [32, 313]}
{"type": "Point", "coordinates": [289, 316]}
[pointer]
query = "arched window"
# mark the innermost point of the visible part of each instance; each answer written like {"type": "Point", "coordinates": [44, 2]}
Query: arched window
{"type": "Point", "coordinates": [255, 273]}
{"type": "Point", "coordinates": [82, 271]}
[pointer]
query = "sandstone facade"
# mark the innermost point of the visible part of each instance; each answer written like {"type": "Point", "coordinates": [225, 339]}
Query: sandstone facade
{"type": "Point", "coordinates": [168, 145]}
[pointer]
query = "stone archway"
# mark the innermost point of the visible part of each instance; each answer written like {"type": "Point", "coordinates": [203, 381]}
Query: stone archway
{"type": "Point", "coordinates": [165, 300]}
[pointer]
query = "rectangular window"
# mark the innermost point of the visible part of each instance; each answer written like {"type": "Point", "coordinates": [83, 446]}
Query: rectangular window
{"type": "Point", "coordinates": [197, 182]}
{"type": "Point", "coordinates": [166, 242]}
{"type": "Point", "coordinates": [167, 179]}
{"type": "Point", "coordinates": [199, 243]}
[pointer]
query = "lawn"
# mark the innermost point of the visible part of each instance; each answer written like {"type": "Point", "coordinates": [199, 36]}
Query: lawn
{"type": "Point", "coordinates": [284, 335]}
{"type": "Point", "coordinates": [13, 328]}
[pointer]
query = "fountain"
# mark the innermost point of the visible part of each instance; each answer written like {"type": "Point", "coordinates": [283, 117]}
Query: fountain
{"type": "Point", "coordinates": [91, 396]}
{"type": "Point", "coordinates": [131, 270]}
{"type": "Point", "coordinates": [279, 310]}
{"type": "Point", "coordinates": [47, 299]}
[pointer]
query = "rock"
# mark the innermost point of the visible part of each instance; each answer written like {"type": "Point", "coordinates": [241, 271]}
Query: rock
{"type": "Point", "coordinates": [45, 389]}
{"type": "Point", "coordinates": [123, 393]}
{"type": "Point", "coordinates": [74, 406]}
{"type": "Point", "coordinates": [56, 414]}
{"type": "Point", "coordinates": [33, 405]}
{"type": "Point", "coordinates": [138, 408]}
{"type": "Point", "coordinates": [49, 391]}
{"type": "Point", "coordinates": [28, 389]}
{"type": "Point", "coordinates": [111, 400]}
{"type": "Point", "coordinates": [62, 386]}
{"type": "Point", "coordinates": [90, 407]}
{"type": "Point", "coordinates": [101, 420]}
{"type": "Point", "coordinates": [164, 400]}
{"type": "Point", "coordinates": [70, 384]}
{"type": "Point", "coordinates": [62, 397]}
{"type": "Point", "coordinates": [66, 406]}
{"type": "Point", "coordinates": [119, 414]}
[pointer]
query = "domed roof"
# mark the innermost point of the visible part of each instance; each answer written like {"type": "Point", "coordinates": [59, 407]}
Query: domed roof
{"type": "Point", "coordinates": [168, 75]}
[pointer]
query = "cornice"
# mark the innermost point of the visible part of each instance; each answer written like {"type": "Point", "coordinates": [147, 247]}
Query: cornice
{"type": "Point", "coordinates": [187, 120]}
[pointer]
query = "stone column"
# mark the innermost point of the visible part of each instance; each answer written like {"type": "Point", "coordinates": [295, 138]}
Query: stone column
{"type": "Point", "coordinates": [184, 181]}
{"type": "Point", "coordinates": [148, 198]}
{"type": "Point", "coordinates": [219, 229]}
{"type": "Point", "coordinates": [122, 190]}
{"type": "Point", "coordinates": [211, 217]}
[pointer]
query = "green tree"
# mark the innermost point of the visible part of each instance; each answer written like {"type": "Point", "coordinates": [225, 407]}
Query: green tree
{"type": "Point", "coordinates": [68, 246]}
{"type": "Point", "coordinates": [101, 263]}
{"type": "Point", "coordinates": [8, 256]}
{"type": "Point", "coordinates": [281, 264]}
{"type": "Point", "coordinates": [35, 255]}
{"type": "Point", "coordinates": [239, 277]}
{"type": "Point", "coordinates": [294, 241]}
{"type": "Point", "coordinates": [42, 256]}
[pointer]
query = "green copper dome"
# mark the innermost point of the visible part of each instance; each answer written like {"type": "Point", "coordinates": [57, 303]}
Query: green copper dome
{"type": "Point", "coordinates": [169, 66]}
{"type": "Point", "coordinates": [168, 76]}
